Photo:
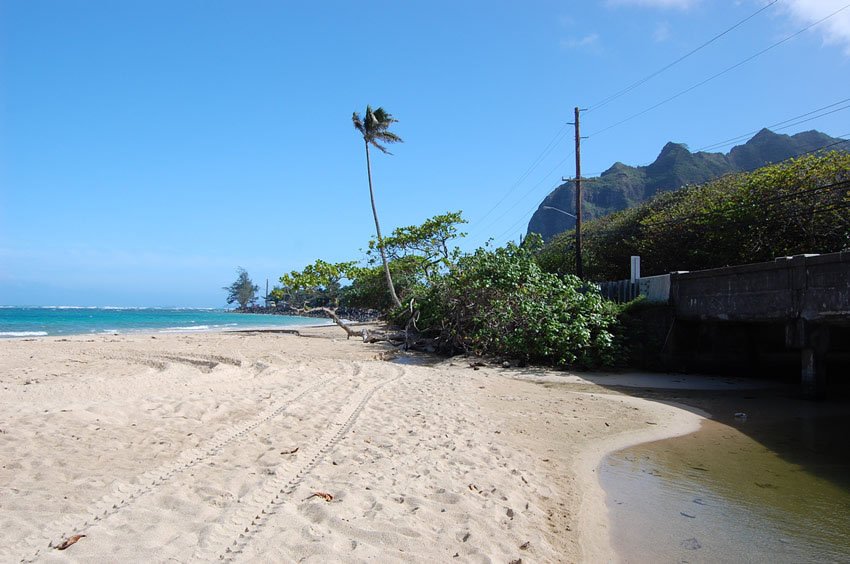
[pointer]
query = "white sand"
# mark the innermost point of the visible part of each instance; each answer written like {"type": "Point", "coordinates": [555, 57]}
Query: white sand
{"type": "Point", "coordinates": [179, 448]}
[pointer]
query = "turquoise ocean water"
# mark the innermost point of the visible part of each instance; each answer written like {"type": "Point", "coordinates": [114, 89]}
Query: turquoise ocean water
{"type": "Point", "coordinates": [44, 321]}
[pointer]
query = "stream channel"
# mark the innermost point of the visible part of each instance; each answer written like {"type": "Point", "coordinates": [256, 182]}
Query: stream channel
{"type": "Point", "coordinates": [771, 484]}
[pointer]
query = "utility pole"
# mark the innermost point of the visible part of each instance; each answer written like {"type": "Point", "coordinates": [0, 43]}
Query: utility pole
{"type": "Point", "coordinates": [577, 180]}
{"type": "Point", "coordinates": [579, 269]}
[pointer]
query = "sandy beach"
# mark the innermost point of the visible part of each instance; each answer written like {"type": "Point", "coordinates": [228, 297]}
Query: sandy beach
{"type": "Point", "coordinates": [222, 446]}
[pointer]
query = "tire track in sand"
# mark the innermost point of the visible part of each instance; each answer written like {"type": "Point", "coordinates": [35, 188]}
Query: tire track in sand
{"type": "Point", "coordinates": [233, 536]}
{"type": "Point", "coordinates": [124, 495]}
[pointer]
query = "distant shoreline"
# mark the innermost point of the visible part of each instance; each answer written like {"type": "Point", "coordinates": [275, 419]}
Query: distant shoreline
{"type": "Point", "coordinates": [44, 322]}
{"type": "Point", "coordinates": [353, 314]}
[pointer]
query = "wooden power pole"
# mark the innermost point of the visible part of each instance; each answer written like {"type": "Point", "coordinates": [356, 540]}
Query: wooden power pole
{"type": "Point", "coordinates": [579, 269]}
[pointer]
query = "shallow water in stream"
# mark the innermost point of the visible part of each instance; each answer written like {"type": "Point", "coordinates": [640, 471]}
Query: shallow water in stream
{"type": "Point", "coordinates": [770, 486]}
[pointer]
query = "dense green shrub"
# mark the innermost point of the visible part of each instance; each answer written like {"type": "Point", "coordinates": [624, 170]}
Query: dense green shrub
{"type": "Point", "coordinates": [368, 287]}
{"type": "Point", "coordinates": [500, 302]}
{"type": "Point", "coordinates": [799, 206]}
{"type": "Point", "coordinates": [495, 301]}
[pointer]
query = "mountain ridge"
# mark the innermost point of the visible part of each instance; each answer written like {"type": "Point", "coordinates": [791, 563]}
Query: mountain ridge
{"type": "Point", "coordinates": [622, 186]}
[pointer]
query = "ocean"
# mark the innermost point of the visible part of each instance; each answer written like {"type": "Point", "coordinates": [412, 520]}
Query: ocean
{"type": "Point", "coordinates": [49, 321]}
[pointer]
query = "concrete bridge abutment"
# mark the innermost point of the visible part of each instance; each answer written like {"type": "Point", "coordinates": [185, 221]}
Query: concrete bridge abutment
{"type": "Point", "coordinates": [807, 294]}
{"type": "Point", "coordinates": [813, 342]}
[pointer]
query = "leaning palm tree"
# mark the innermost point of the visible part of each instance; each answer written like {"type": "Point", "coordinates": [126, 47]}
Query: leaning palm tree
{"type": "Point", "coordinates": [374, 127]}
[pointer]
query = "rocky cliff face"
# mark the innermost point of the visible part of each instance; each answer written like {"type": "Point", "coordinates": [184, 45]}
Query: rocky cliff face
{"type": "Point", "coordinates": [622, 186]}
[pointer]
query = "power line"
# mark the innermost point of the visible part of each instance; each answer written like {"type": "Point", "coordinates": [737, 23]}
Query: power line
{"type": "Point", "coordinates": [829, 145]}
{"type": "Point", "coordinates": [533, 188]}
{"type": "Point", "coordinates": [840, 141]}
{"type": "Point", "coordinates": [525, 195]}
{"type": "Point", "coordinates": [843, 183]}
{"type": "Point", "coordinates": [721, 73]}
{"type": "Point", "coordinates": [536, 206]}
{"type": "Point", "coordinates": [774, 217]}
{"type": "Point", "coordinates": [513, 226]}
{"type": "Point", "coordinates": [766, 201]}
{"type": "Point", "coordinates": [521, 219]}
{"type": "Point", "coordinates": [649, 77]}
{"type": "Point", "coordinates": [779, 125]}
{"type": "Point", "coordinates": [517, 222]}
{"type": "Point", "coordinates": [556, 140]}
{"type": "Point", "coordinates": [601, 233]}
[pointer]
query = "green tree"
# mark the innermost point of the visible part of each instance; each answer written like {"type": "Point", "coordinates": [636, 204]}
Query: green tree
{"type": "Point", "coordinates": [425, 247]}
{"type": "Point", "coordinates": [321, 280]}
{"type": "Point", "coordinates": [374, 126]}
{"type": "Point", "coordinates": [243, 290]}
{"type": "Point", "coordinates": [368, 288]}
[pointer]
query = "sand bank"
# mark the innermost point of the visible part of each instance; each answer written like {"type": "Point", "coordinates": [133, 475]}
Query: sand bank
{"type": "Point", "coordinates": [211, 447]}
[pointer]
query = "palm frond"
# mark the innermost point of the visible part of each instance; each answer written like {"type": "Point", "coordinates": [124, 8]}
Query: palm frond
{"type": "Point", "coordinates": [380, 147]}
{"type": "Point", "coordinates": [374, 126]}
{"type": "Point", "coordinates": [384, 117]}
{"type": "Point", "coordinates": [389, 137]}
{"type": "Point", "coordinates": [358, 123]}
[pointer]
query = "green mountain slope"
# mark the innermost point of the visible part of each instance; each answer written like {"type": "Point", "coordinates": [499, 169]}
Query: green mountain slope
{"type": "Point", "coordinates": [623, 186]}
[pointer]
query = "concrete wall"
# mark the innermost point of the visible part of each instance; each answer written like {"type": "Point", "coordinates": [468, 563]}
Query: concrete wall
{"type": "Point", "coordinates": [814, 288]}
{"type": "Point", "coordinates": [656, 289]}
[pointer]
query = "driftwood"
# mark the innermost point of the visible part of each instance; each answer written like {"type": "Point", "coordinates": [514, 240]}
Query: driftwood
{"type": "Point", "coordinates": [368, 336]}
{"type": "Point", "coordinates": [376, 336]}
{"type": "Point", "coordinates": [409, 338]}
{"type": "Point", "coordinates": [351, 332]}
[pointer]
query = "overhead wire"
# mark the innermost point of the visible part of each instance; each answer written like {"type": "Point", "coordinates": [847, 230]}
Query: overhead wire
{"type": "Point", "coordinates": [778, 126]}
{"type": "Point", "coordinates": [519, 221]}
{"type": "Point", "coordinates": [649, 77]}
{"type": "Point", "coordinates": [601, 233]}
{"type": "Point", "coordinates": [556, 140]}
{"type": "Point", "coordinates": [719, 74]}
{"type": "Point", "coordinates": [605, 232]}
{"type": "Point", "coordinates": [501, 237]}
{"type": "Point", "coordinates": [842, 184]}
{"type": "Point", "coordinates": [766, 201]}
{"type": "Point", "coordinates": [786, 124]}
{"type": "Point", "coordinates": [480, 227]}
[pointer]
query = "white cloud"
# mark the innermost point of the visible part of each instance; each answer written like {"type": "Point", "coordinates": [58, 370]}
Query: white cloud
{"type": "Point", "coordinates": [664, 4]}
{"type": "Point", "coordinates": [590, 40]}
{"type": "Point", "coordinates": [835, 30]}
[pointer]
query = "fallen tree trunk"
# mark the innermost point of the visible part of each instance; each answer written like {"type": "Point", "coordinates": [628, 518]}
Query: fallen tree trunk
{"type": "Point", "coordinates": [349, 331]}
{"type": "Point", "coordinates": [365, 334]}
{"type": "Point", "coordinates": [376, 336]}
{"type": "Point", "coordinates": [410, 340]}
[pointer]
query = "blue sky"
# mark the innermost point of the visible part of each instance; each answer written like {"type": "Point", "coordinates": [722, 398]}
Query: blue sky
{"type": "Point", "coordinates": [148, 148]}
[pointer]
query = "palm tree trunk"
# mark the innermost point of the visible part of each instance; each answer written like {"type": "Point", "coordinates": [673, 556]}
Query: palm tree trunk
{"type": "Point", "coordinates": [389, 277]}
